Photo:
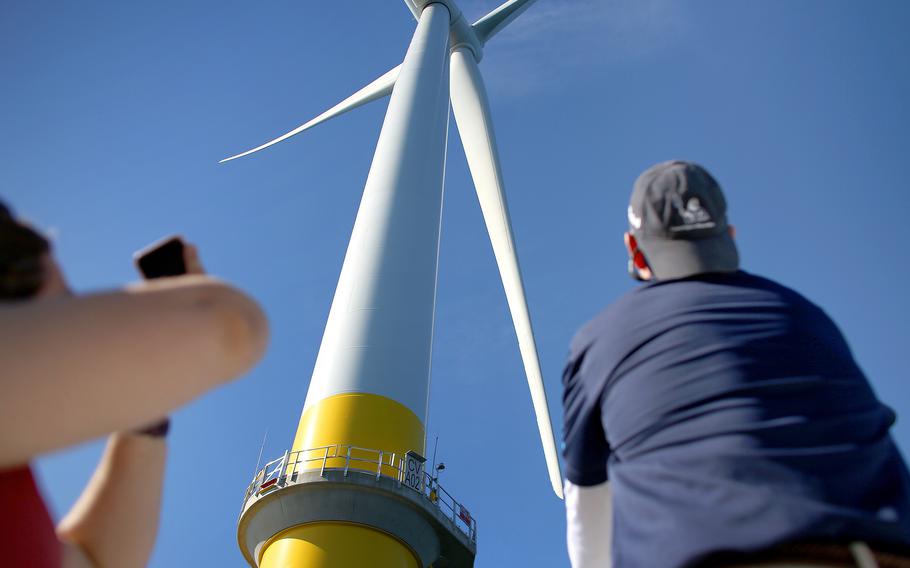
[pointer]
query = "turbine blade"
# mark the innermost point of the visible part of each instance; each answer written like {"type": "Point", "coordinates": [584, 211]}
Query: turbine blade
{"type": "Point", "coordinates": [379, 88]}
{"type": "Point", "coordinates": [495, 21]}
{"type": "Point", "coordinates": [413, 8]}
{"type": "Point", "coordinates": [472, 114]}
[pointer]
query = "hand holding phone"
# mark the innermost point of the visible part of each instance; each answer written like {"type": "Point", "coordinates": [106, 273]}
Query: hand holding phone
{"type": "Point", "coordinates": [171, 256]}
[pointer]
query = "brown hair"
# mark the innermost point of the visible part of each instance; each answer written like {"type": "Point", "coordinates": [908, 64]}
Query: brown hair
{"type": "Point", "coordinates": [21, 252]}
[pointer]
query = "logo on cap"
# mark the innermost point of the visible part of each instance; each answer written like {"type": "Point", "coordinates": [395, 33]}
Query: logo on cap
{"type": "Point", "coordinates": [693, 215]}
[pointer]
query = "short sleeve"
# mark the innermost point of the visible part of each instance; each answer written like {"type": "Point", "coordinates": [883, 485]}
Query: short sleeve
{"type": "Point", "coordinates": [585, 448]}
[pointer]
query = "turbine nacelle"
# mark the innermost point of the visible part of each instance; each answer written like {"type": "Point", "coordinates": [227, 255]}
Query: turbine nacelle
{"type": "Point", "coordinates": [417, 6]}
{"type": "Point", "coordinates": [462, 34]}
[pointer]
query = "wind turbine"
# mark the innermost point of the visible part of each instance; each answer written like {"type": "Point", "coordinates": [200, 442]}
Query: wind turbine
{"type": "Point", "coordinates": [374, 361]}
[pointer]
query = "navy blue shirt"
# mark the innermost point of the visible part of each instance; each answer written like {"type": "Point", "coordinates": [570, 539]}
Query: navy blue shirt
{"type": "Point", "coordinates": [728, 414]}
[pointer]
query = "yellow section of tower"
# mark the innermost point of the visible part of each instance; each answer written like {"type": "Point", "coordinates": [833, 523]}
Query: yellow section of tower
{"type": "Point", "coordinates": [336, 545]}
{"type": "Point", "coordinates": [361, 420]}
{"type": "Point", "coordinates": [352, 419]}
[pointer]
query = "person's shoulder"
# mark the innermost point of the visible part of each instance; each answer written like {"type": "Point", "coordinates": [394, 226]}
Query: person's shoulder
{"type": "Point", "coordinates": [758, 281]}
{"type": "Point", "coordinates": [777, 288]}
{"type": "Point", "coordinates": [804, 311]}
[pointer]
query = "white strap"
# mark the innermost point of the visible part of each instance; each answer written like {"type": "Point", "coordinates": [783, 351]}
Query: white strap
{"type": "Point", "coordinates": [589, 525]}
{"type": "Point", "coordinates": [863, 555]}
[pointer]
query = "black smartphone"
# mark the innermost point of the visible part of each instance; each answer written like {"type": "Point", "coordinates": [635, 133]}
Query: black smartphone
{"type": "Point", "coordinates": [161, 259]}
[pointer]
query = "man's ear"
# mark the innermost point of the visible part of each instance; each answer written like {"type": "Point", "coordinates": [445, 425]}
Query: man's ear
{"type": "Point", "coordinates": [638, 259]}
{"type": "Point", "coordinates": [732, 229]}
{"type": "Point", "coordinates": [638, 266]}
{"type": "Point", "coordinates": [636, 255]}
{"type": "Point", "coordinates": [629, 240]}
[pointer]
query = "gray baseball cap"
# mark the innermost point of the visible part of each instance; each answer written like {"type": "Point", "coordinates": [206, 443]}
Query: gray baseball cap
{"type": "Point", "coordinates": [678, 215]}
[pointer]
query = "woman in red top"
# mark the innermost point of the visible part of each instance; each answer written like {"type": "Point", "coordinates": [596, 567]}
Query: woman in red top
{"type": "Point", "coordinates": [75, 368]}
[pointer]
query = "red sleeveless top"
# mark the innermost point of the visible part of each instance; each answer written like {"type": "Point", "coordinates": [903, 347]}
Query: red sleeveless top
{"type": "Point", "coordinates": [27, 535]}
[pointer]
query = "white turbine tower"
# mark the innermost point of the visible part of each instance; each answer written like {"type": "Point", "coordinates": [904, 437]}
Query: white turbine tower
{"type": "Point", "coordinates": [378, 337]}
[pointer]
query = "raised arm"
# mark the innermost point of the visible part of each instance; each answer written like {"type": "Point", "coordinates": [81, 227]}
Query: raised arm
{"type": "Point", "coordinates": [75, 368]}
{"type": "Point", "coordinates": [115, 521]}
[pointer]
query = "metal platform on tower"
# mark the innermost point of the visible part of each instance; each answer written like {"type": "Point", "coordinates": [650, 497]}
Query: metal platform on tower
{"type": "Point", "coordinates": [383, 491]}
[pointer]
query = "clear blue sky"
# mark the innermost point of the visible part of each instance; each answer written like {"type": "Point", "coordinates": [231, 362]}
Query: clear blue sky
{"type": "Point", "coordinates": [113, 116]}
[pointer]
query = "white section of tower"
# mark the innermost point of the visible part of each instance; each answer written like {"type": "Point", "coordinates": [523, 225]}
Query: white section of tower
{"type": "Point", "coordinates": [380, 327]}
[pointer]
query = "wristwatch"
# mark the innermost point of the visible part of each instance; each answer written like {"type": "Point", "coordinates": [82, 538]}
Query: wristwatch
{"type": "Point", "coordinates": [156, 430]}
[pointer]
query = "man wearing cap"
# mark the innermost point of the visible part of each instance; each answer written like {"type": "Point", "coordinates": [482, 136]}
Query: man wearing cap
{"type": "Point", "coordinates": [717, 418]}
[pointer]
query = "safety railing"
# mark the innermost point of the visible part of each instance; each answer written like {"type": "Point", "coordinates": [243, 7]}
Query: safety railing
{"type": "Point", "coordinates": [354, 460]}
